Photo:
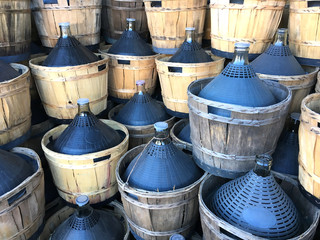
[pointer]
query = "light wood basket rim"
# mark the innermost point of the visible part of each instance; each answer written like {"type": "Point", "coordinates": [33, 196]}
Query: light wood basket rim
{"type": "Point", "coordinates": [25, 73]}
{"type": "Point", "coordinates": [174, 137]}
{"type": "Point", "coordinates": [307, 100]}
{"type": "Point", "coordinates": [309, 74]}
{"type": "Point", "coordinates": [87, 156]}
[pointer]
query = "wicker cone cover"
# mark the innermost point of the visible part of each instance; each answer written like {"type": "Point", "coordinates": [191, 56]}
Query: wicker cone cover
{"type": "Point", "coordinates": [185, 133]}
{"type": "Point", "coordinates": [7, 72]}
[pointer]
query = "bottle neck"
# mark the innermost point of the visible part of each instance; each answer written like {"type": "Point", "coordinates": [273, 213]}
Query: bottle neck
{"type": "Point", "coordinates": [83, 109]}
{"type": "Point", "coordinates": [84, 211]}
{"type": "Point", "coordinates": [281, 38]}
{"type": "Point", "coordinates": [241, 56]}
{"type": "Point", "coordinates": [65, 31]}
{"type": "Point", "coordinates": [141, 89]}
{"type": "Point", "coordinates": [162, 137]}
{"type": "Point", "coordinates": [130, 26]}
{"type": "Point", "coordinates": [263, 165]}
{"type": "Point", "coordinates": [190, 36]}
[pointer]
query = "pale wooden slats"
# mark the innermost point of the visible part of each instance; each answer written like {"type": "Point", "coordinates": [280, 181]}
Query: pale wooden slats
{"type": "Point", "coordinates": [207, 25]}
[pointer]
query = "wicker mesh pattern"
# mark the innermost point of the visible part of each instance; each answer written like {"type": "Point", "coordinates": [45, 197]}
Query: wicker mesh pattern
{"type": "Point", "coordinates": [161, 152]}
{"type": "Point", "coordinates": [88, 121]}
{"type": "Point", "coordinates": [238, 71]}
{"type": "Point", "coordinates": [84, 223]}
{"type": "Point", "coordinates": [240, 201]}
{"type": "Point", "coordinates": [278, 51]}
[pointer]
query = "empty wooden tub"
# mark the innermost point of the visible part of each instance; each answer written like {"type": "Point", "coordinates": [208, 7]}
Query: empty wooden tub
{"type": "Point", "coordinates": [157, 215]}
{"type": "Point", "coordinates": [22, 209]}
{"type": "Point", "coordinates": [124, 71]}
{"type": "Point", "coordinates": [174, 84]}
{"type": "Point", "coordinates": [304, 41]}
{"type": "Point", "coordinates": [91, 174]}
{"type": "Point", "coordinates": [300, 85]}
{"type": "Point", "coordinates": [253, 21]}
{"type": "Point", "coordinates": [114, 15]}
{"type": "Point", "coordinates": [15, 114]}
{"type": "Point", "coordinates": [228, 147]}
{"type": "Point", "coordinates": [84, 17]}
{"type": "Point", "coordinates": [138, 134]}
{"type": "Point", "coordinates": [174, 132]}
{"type": "Point", "coordinates": [216, 228]}
{"type": "Point", "coordinates": [309, 146]}
{"type": "Point", "coordinates": [60, 87]}
{"type": "Point", "coordinates": [168, 19]}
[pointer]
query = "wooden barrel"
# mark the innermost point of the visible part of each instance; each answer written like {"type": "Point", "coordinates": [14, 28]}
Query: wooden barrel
{"type": "Point", "coordinates": [174, 84]}
{"type": "Point", "coordinates": [304, 40]}
{"type": "Point", "coordinates": [253, 21]}
{"type": "Point", "coordinates": [124, 71]}
{"type": "Point", "coordinates": [15, 29]}
{"type": "Point", "coordinates": [309, 145]}
{"type": "Point", "coordinates": [318, 84]}
{"type": "Point", "coordinates": [216, 228]}
{"type": "Point", "coordinates": [138, 134]}
{"type": "Point", "coordinates": [22, 209]}
{"type": "Point", "coordinates": [60, 87]}
{"type": "Point", "coordinates": [300, 85]}
{"type": "Point", "coordinates": [62, 214]}
{"type": "Point", "coordinates": [174, 132]}
{"type": "Point", "coordinates": [157, 215]}
{"type": "Point", "coordinates": [207, 24]}
{"type": "Point", "coordinates": [91, 174]}
{"type": "Point", "coordinates": [228, 146]}
{"type": "Point", "coordinates": [84, 17]}
{"type": "Point", "coordinates": [114, 18]}
{"type": "Point", "coordinates": [15, 114]}
{"type": "Point", "coordinates": [168, 19]}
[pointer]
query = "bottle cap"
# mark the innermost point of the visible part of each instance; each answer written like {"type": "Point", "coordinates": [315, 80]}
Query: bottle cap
{"type": "Point", "coordinates": [177, 237]}
{"type": "Point", "coordinates": [64, 24]}
{"type": "Point", "coordinates": [242, 45]}
{"type": "Point", "coordinates": [83, 101]}
{"type": "Point", "coordinates": [282, 30]}
{"type": "Point", "coordinates": [264, 160]}
{"type": "Point", "coordinates": [190, 28]}
{"type": "Point", "coordinates": [161, 126]}
{"type": "Point", "coordinates": [295, 116]}
{"type": "Point", "coordinates": [131, 19]}
{"type": "Point", "coordinates": [140, 82]}
{"type": "Point", "coordinates": [82, 200]}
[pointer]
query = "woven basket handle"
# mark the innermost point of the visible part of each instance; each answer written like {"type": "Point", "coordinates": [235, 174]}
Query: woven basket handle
{"type": "Point", "coordinates": [156, 4]}
{"type": "Point", "coordinates": [313, 4]}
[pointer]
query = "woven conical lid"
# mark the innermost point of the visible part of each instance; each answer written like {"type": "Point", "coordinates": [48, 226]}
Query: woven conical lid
{"type": "Point", "coordinates": [238, 84]}
{"type": "Point", "coordinates": [257, 204]}
{"type": "Point", "coordinates": [278, 59]}
{"type": "Point", "coordinates": [86, 134]}
{"type": "Point", "coordinates": [87, 223]}
{"type": "Point", "coordinates": [190, 51]}
{"type": "Point", "coordinates": [161, 166]}
{"type": "Point", "coordinates": [68, 51]}
{"type": "Point", "coordinates": [184, 134]}
{"type": "Point", "coordinates": [130, 43]}
{"type": "Point", "coordinates": [141, 110]}
{"type": "Point", "coordinates": [7, 72]}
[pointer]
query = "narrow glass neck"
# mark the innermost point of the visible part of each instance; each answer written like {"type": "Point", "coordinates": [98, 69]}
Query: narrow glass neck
{"type": "Point", "coordinates": [190, 36]}
{"type": "Point", "coordinates": [65, 31]}
{"type": "Point", "coordinates": [281, 37]}
{"type": "Point", "coordinates": [141, 89]}
{"type": "Point", "coordinates": [241, 56]}
{"type": "Point", "coordinates": [162, 137]}
{"type": "Point", "coordinates": [130, 26]}
{"type": "Point", "coordinates": [263, 165]}
{"type": "Point", "coordinates": [84, 211]}
{"type": "Point", "coordinates": [83, 109]}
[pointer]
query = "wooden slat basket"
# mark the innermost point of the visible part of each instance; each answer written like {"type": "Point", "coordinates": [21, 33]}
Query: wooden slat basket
{"type": "Point", "coordinates": [15, 114]}
{"type": "Point", "coordinates": [60, 87]}
{"type": "Point", "coordinates": [157, 215]}
{"type": "Point", "coordinates": [216, 228]}
{"type": "Point", "coordinates": [174, 132]}
{"type": "Point", "coordinates": [114, 15]}
{"type": "Point", "coordinates": [300, 85]}
{"type": "Point", "coordinates": [91, 174]}
{"type": "Point", "coordinates": [124, 71]}
{"type": "Point", "coordinates": [61, 215]}
{"type": "Point", "coordinates": [22, 218]}
{"type": "Point", "coordinates": [309, 145]}
{"type": "Point", "coordinates": [138, 134]}
{"type": "Point", "coordinates": [253, 21]}
{"type": "Point", "coordinates": [304, 40]}
{"type": "Point", "coordinates": [174, 84]}
{"type": "Point", "coordinates": [15, 30]}
{"type": "Point", "coordinates": [168, 19]}
{"type": "Point", "coordinates": [84, 17]}
{"type": "Point", "coordinates": [228, 147]}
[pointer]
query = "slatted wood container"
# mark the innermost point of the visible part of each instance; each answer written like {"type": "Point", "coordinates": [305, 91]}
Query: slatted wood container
{"type": "Point", "coordinates": [300, 85]}
{"type": "Point", "coordinates": [15, 29]}
{"type": "Point", "coordinates": [138, 134]}
{"type": "Point", "coordinates": [114, 15]}
{"type": "Point", "coordinates": [168, 19]}
{"type": "Point", "coordinates": [253, 21]}
{"type": "Point", "coordinates": [15, 114]}
{"type": "Point", "coordinates": [228, 147]}
{"type": "Point", "coordinates": [157, 215]}
{"type": "Point", "coordinates": [22, 218]}
{"type": "Point", "coordinates": [61, 215]}
{"type": "Point", "coordinates": [84, 17]}
{"type": "Point", "coordinates": [124, 71]}
{"type": "Point", "coordinates": [304, 41]}
{"type": "Point", "coordinates": [215, 228]}
{"type": "Point", "coordinates": [92, 174]}
{"type": "Point", "coordinates": [318, 84]}
{"type": "Point", "coordinates": [309, 145]}
{"type": "Point", "coordinates": [174, 132]}
{"type": "Point", "coordinates": [207, 24]}
{"type": "Point", "coordinates": [60, 87]}
{"type": "Point", "coordinates": [174, 85]}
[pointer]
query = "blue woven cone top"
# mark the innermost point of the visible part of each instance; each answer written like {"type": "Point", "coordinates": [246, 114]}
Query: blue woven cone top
{"type": "Point", "coordinates": [69, 51]}
{"type": "Point", "coordinates": [86, 134]}
{"type": "Point", "coordinates": [88, 223]}
{"type": "Point", "coordinates": [14, 169]}
{"type": "Point", "coordinates": [7, 72]}
{"type": "Point", "coordinates": [238, 84]}
{"type": "Point", "coordinates": [141, 110]}
{"type": "Point", "coordinates": [184, 134]}
{"type": "Point", "coordinates": [161, 166]}
{"type": "Point", "coordinates": [257, 204]}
